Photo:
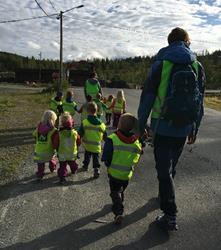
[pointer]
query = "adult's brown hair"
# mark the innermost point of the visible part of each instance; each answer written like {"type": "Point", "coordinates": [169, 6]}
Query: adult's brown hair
{"type": "Point", "coordinates": [178, 34]}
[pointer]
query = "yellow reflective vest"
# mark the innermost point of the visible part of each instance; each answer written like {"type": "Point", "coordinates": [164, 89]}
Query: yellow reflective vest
{"type": "Point", "coordinates": [125, 156]}
{"type": "Point", "coordinates": [67, 150]}
{"type": "Point", "coordinates": [43, 148]}
{"type": "Point", "coordinates": [93, 136]}
{"type": "Point", "coordinates": [118, 107]}
{"type": "Point", "coordinates": [108, 103]}
{"type": "Point", "coordinates": [69, 107]}
{"type": "Point", "coordinates": [54, 105]}
{"type": "Point", "coordinates": [91, 89]}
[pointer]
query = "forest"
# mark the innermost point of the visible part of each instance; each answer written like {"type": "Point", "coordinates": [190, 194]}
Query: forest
{"type": "Point", "coordinates": [129, 70]}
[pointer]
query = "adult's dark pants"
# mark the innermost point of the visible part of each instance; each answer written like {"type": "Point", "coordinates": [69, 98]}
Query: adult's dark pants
{"type": "Point", "coordinates": [167, 151]}
{"type": "Point", "coordinates": [117, 188]}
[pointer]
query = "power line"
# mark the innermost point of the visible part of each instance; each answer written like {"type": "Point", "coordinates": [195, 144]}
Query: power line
{"type": "Point", "coordinates": [52, 5]}
{"type": "Point", "coordinates": [110, 26]}
{"type": "Point", "coordinates": [26, 19]}
{"type": "Point", "coordinates": [41, 8]}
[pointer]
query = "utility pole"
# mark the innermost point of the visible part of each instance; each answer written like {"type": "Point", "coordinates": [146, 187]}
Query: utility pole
{"type": "Point", "coordinates": [40, 54]}
{"type": "Point", "coordinates": [61, 53]}
{"type": "Point", "coordinates": [60, 16]}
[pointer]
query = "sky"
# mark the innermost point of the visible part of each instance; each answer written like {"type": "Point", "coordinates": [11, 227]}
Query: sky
{"type": "Point", "coordinates": [105, 28]}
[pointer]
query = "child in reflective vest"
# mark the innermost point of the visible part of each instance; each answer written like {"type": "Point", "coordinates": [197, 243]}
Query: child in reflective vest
{"type": "Point", "coordinates": [45, 145]}
{"type": "Point", "coordinates": [56, 103]}
{"type": "Point", "coordinates": [109, 103]}
{"type": "Point", "coordinates": [101, 107]}
{"type": "Point", "coordinates": [83, 108]}
{"type": "Point", "coordinates": [92, 132]}
{"type": "Point", "coordinates": [69, 105]}
{"type": "Point", "coordinates": [118, 107]}
{"type": "Point", "coordinates": [68, 141]}
{"type": "Point", "coordinates": [122, 151]}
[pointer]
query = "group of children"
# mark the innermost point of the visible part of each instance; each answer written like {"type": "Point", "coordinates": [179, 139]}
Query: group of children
{"type": "Point", "coordinates": [121, 149]}
{"type": "Point", "coordinates": [112, 107]}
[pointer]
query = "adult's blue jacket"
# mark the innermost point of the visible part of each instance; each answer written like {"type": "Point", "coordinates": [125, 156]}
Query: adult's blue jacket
{"type": "Point", "coordinates": [178, 53]}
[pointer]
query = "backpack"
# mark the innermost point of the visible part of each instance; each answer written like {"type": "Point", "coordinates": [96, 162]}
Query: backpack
{"type": "Point", "coordinates": [183, 102]}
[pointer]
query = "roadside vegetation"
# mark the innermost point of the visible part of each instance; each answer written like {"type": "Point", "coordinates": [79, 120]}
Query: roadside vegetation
{"type": "Point", "coordinates": [20, 112]}
{"type": "Point", "coordinates": [213, 102]}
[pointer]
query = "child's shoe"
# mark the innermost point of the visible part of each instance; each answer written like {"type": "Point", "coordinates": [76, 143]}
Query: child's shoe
{"type": "Point", "coordinates": [96, 173]}
{"type": "Point", "coordinates": [62, 180]}
{"type": "Point", "coordinates": [118, 219]}
{"type": "Point", "coordinates": [84, 168]}
{"type": "Point", "coordinates": [167, 222]}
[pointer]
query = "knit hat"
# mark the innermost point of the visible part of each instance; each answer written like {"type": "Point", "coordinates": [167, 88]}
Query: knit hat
{"type": "Point", "coordinates": [128, 123]}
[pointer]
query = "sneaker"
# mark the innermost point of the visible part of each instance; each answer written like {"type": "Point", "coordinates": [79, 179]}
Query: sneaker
{"type": "Point", "coordinates": [96, 173]}
{"type": "Point", "coordinates": [84, 168]}
{"type": "Point", "coordinates": [118, 219]}
{"type": "Point", "coordinates": [167, 222]}
{"type": "Point", "coordinates": [62, 180]}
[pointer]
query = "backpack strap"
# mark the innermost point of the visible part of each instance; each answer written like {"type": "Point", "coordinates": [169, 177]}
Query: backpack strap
{"type": "Point", "coordinates": [195, 67]}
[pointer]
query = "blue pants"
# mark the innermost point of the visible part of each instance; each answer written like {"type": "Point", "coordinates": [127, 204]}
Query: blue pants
{"type": "Point", "coordinates": [167, 151]}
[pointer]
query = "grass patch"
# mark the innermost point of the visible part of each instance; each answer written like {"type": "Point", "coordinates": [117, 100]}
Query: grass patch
{"type": "Point", "coordinates": [213, 102]}
{"type": "Point", "coordinates": [19, 112]}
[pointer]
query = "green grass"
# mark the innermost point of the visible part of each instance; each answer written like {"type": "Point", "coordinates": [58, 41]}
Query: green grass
{"type": "Point", "coordinates": [19, 112]}
{"type": "Point", "coordinates": [213, 102]}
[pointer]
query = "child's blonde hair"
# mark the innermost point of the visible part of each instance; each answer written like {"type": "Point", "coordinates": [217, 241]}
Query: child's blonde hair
{"type": "Point", "coordinates": [92, 108]}
{"type": "Point", "coordinates": [65, 117]}
{"type": "Point", "coordinates": [120, 95]}
{"type": "Point", "coordinates": [49, 118]}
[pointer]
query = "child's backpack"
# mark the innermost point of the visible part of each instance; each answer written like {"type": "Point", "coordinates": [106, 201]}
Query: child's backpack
{"type": "Point", "coordinates": [183, 103]}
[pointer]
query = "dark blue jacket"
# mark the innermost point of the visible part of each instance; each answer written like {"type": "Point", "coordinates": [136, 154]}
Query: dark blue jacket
{"type": "Point", "coordinates": [178, 53]}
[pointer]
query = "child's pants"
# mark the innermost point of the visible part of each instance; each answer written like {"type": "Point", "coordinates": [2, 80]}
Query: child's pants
{"type": "Point", "coordinates": [117, 188]}
{"type": "Point", "coordinates": [62, 171]}
{"type": "Point", "coordinates": [108, 118]}
{"type": "Point", "coordinates": [116, 120]}
{"type": "Point", "coordinates": [41, 168]}
{"type": "Point", "coordinates": [87, 158]}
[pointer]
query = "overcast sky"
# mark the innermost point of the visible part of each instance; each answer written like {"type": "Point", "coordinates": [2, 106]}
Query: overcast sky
{"type": "Point", "coordinates": [105, 28]}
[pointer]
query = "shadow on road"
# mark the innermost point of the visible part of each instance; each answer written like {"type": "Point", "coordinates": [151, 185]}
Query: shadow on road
{"type": "Point", "coordinates": [72, 237]}
{"type": "Point", "coordinates": [30, 184]}
{"type": "Point", "coordinates": [153, 237]}
{"type": "Point", "coordinates": [15, 137]}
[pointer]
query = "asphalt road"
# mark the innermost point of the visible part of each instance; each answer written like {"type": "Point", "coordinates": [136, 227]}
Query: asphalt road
{"type": "Point", "coordinates": [77, 215]}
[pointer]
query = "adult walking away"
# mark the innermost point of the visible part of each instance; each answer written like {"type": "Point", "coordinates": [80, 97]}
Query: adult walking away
{"type": "Point", "coordinates": [173, 92]}
{"type": "Point", "coordinates": [92, 86]}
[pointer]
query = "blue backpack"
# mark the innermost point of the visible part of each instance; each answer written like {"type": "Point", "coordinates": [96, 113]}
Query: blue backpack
{"type": "Point", "coordinates": [183, 102]}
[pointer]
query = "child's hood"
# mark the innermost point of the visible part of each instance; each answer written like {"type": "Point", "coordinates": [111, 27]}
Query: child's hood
{"type": "Point", "coordinates": [43, 128]}
{"type": "Point", "coordinates": [68, 124]}
{"type": "Point", "coordinates": [128, 137]}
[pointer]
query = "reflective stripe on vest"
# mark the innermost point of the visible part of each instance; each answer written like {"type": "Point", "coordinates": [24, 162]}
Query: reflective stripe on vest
{"type": "Point", "coordinates": [91, 89]}
{"type": "Point", "coordinates": [163, 87]}
{"type": "Point", "coordinates": [118, 106]}
{"type": "Point", "coordinates": [93, 135]}
{"type": "Point", "coordinates": [54, 104]}
{"type": "Point", "coordinates": [69, 107]}
{"type": "Point", "coordinates": [67, 150]}
{"type": "Point", "coordinates": [125, 156]}
{"type": "Point", "coordinates": [43, 148]}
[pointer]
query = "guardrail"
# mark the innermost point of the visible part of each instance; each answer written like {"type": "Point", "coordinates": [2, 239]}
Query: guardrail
{"type": "Point", "coordinates": [210, 92]}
